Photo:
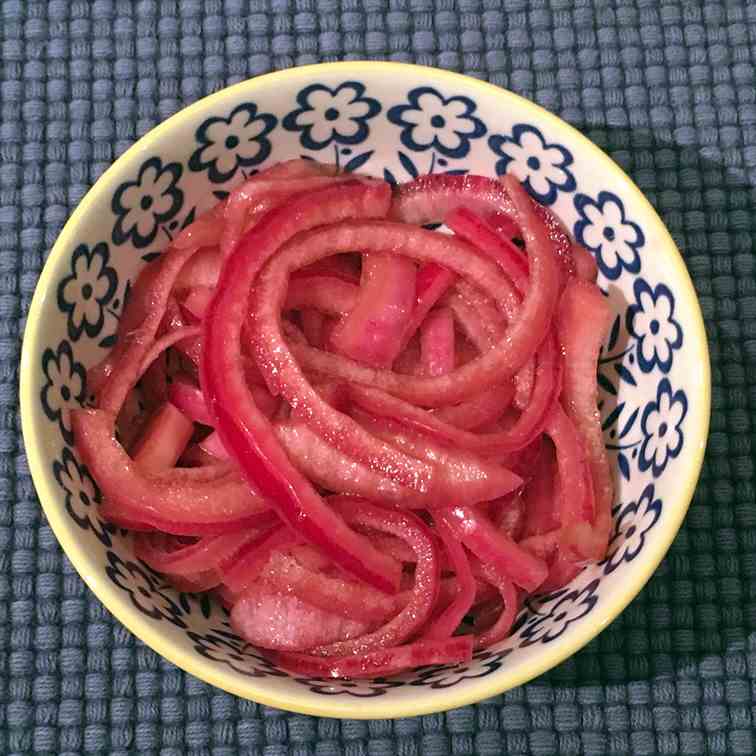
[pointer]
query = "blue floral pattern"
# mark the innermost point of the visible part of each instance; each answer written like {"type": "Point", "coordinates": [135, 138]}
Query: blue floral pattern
{"type": "Point", "coordinates": [332, 116]}
{"type": "Point", "coordinates": [143, 205]}
{"type": "Point", "coordinates": [605, 229]}
{"type": "Point", "coordinates": [84, 294]}
{"type": "Point", "coordinates": [65, 384]}
{"type": "Point", "coordinates": [234, 143]}
{"type": "Point", "coordinates": [442, 676]}
{"type": "Point", "coordinates": [82, 496]}
{"type": "Point", "coordinates": [144, 589]}
{"type": "Point", "coordinates": [541, 166]}
{"type": "Point", "coordinates": [432, 132]}
{"type": "Point", "coordinates": [651, 321]}
{"type": "Point", "coordinates": [356, 689]}
{"type": "Point", "coordinates": [227, 648]}
{"type": "Point", "coordinates": [661, 425]}
{"type": "Point", "coordinates": [431, 121]}
{"type": "Point", "coordinates": [549, 617]}
{"type": "Point", "coordinates": [632, 522]}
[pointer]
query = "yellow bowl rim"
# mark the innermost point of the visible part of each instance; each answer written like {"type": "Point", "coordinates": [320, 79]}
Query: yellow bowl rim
{"type": "Point", "coordinates": [306, 703]}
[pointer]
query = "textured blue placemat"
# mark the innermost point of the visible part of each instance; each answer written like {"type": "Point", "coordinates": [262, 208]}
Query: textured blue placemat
{"type": "Point", "coordinates": [668, 88]}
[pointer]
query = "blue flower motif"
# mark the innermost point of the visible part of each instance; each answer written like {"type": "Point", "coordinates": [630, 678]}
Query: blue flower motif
{"type": "Point", "coordinates": [141, 206]}
{"type": "Point", "coordinates": [227, 648]}
{"type": "Point", "coordinates": [566, 607]}
{"type": "Point", "coordinates": [651, 320]}
{"type": "Point", "coordinates": [660, 424]}
{"type": "Point", "coordinates": [631, 524]}
{"type": "Point", "coordinates": [84, 293]}
{"type": "Point", "coordinates": [432, 121]}
{"type": "Point", "coordinates": [144, 590]}
{"type": "Point", "coordinates": [605, 230]}
{"type": "Point", "coordinates": [327, 116]}
{"type": "Point", "coordinates": [441, 676]}
{"type": "Point", "coordinates": [229, 143]}
{"type": "Point", "coordinates": [65, 384]}
{"type": "Point", "coordinates": [82, 495]}
{"type": "Point", "coordinates": [542, 167]}
{"type": "Point", "coordinates": [353, 689]}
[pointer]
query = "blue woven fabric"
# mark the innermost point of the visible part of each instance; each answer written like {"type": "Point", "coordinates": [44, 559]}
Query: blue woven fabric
{"type": "Point", "coordinates": [666, 87]}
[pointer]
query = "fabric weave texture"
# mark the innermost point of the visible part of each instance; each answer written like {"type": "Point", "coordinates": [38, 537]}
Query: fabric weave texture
{"type": "Point", "coordinates": [666, 87]}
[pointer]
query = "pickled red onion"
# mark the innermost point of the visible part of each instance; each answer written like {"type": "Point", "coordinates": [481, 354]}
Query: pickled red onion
{"type": "Point", "coordinates": [305, 338]}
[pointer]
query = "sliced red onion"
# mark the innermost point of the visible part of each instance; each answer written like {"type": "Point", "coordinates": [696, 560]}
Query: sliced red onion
{"type": "Point", "coordinates": [389, 661]}
{"type": "Point", "coordinates": [491, 546]}
{"type": "Point", "coordinates": [330, 469]}
{"type": "Point", "coordinates": [287, 623]}
{"type": "Point", "coordinates": [426, 580]}
{"type": "Point", "coordinates": [437, 350]}
{"type": "Point", "coordinates": [163, 440]}
{"type": "Point", "coordinates": [372, 331]}
{"type": "Point", "coordinates": [284, 574]}
{"type": "Point", "coordinates": [584, 319]}
{"type": "Point", "coordinates": [507, 255]}
{"type": "Point", "coordinates": [326, 294]}
{"type": "Point", "coordinates": [207, 553]}
{"type": "Point", "coordinates": [179, 501]}
{"type": "Point", "coordinates": [527, 427]}
{"type": "Point", "coordinates": [245, 432]}
{"type": "Point", "coordinates": [521, 340]}
{"type": "Point", "coordinates": [185, 395]}
{"type": "Point", "coordinates": [444, 625]}
{"type": "Point", "coordinates": [480, 410]}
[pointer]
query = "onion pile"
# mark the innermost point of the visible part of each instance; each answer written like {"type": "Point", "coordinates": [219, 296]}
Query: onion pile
{"type": "Point", "coordinates": [370, 439]}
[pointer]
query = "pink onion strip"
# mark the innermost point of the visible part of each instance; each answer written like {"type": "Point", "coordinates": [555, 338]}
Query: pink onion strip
{"type": "Point", "coordinates": [244, 430]}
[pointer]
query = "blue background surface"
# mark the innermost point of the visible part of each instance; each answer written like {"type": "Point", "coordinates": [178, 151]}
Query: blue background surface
{"type": "Point", "coordinates": [666, 87]}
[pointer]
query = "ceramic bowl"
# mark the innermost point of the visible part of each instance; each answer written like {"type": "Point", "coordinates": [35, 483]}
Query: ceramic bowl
{"type": "Point", "coordinates": [394, 121]}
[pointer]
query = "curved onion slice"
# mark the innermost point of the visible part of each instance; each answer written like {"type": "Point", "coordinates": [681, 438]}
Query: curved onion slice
{"type": "Point", "coordinates": [205, 554]}
{"type": "Point", "coordinates": [163, 440]}
{"type": "Point", "coordinates": [503, 624]}
{"type": "Point", "coordinates": [584, 318]}
{"type": "Point", "coordinates": [527, 427]}
{"type": "Point", "coordinates": [203, 269]}
{"type": "Point", "coordinates": [575, 497]}
{"type": "Point", "coordinates": [249, 203]}
{"type": "Point", "coordinates": [426, 581]}
{"type": "Point", "coordinates": [494, 548]}
{"type": "Point", "coordinates": [331, 470]}
{"type": "Point", "coordinates": [388, 661]}
{"type": "Point", "coordinates": [480, 479]}
{"type": "Point", "coordinates": [541, 506]}
{"type": "Point", "coordinates": [278, 621]}
{"type": "Point", "coordinates": [481, 410]}
{"type": "Point", "coordinates": [244, 431]}
{"type": "Point", "coordinates": [448, 621]}
{"type": "Point", "coordinates": [429, 199]}
{"type": "Point", "coordinates": [138, 326]}
{"type": "Point", "coordinates": [372, 331]}
{"type": "Point", "coordinates": [507, 255]}
{"type": "Point", "coordinates": [326, 294]}
{"type": "Point", "coordinates": [189, 399]}
{"type": "Point", "coordinates": [437, 342]}
{"type": "Point", "coordinates": [585, 264]}
{"type": "Point", "coordinates": [431, 282]}
{"type": "Point", "coordinates": [182, 504]}
{"type": "Point", "coordinates": [284, 574]}
{"type": "Point", "coordinates": [522, 337]}
{"type": "Point", "coordinates": [250, 560]}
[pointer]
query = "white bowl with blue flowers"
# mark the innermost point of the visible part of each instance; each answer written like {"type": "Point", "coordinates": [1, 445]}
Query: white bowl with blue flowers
{"type": "Point", "coordinates": [394, 121]}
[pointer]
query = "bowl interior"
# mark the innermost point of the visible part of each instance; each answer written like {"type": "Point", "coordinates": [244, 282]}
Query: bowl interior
{"type": "Point", "coordinates": [396, 122]}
